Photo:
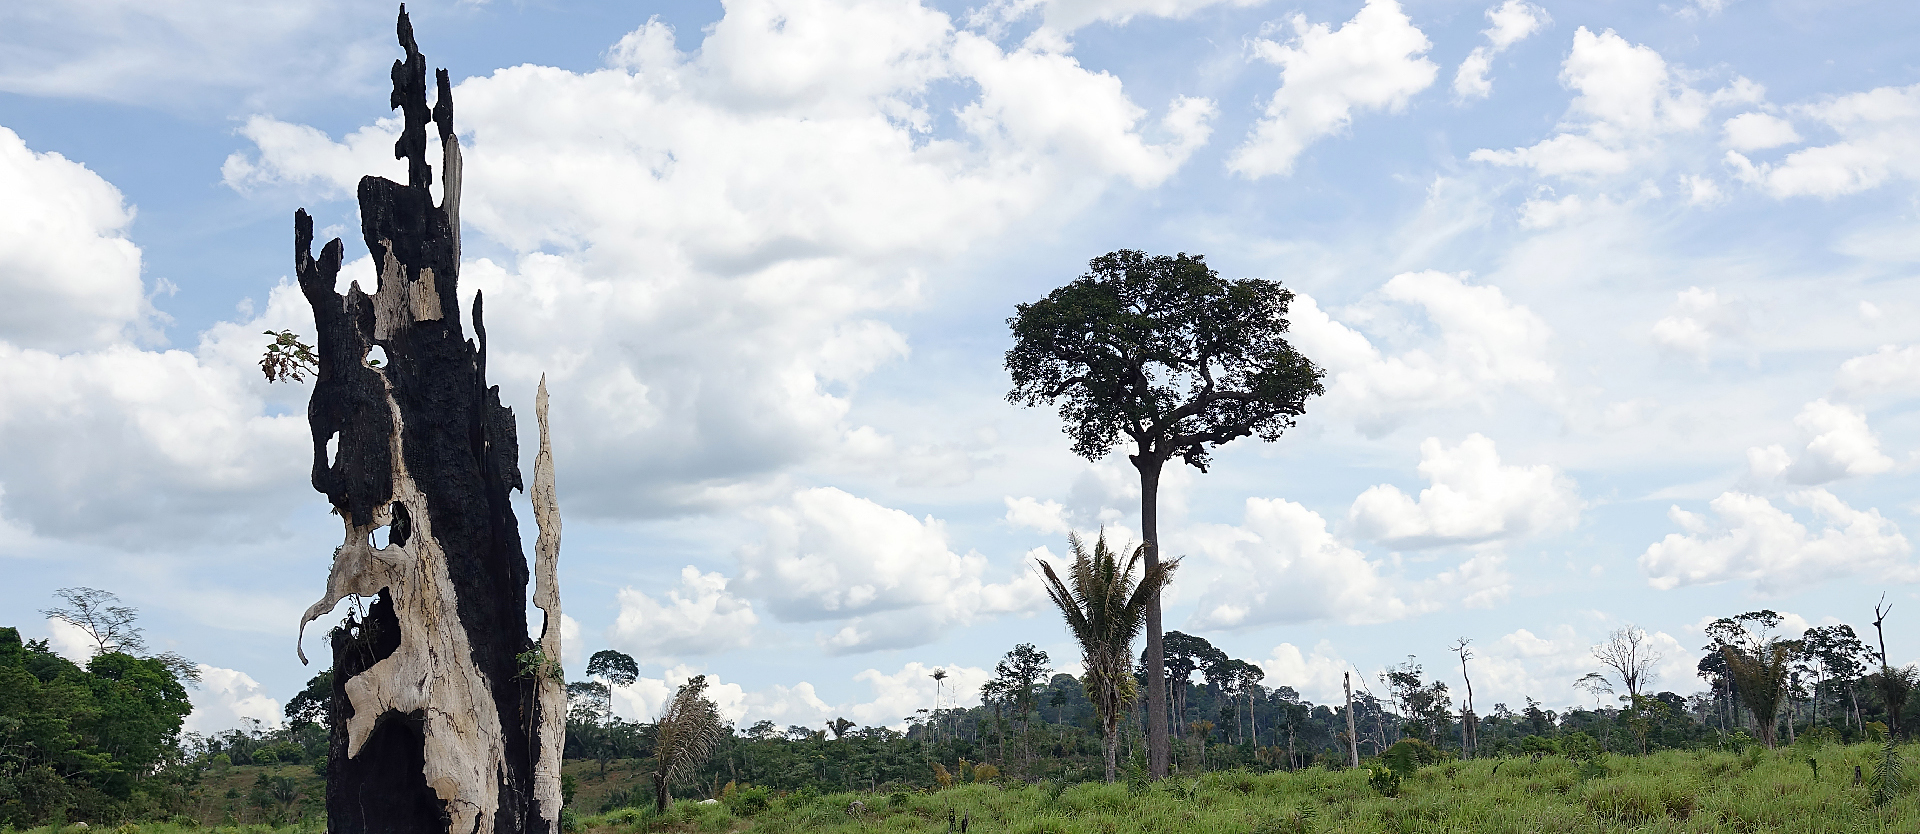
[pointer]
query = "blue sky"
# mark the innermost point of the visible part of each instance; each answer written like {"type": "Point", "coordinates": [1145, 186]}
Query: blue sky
{"type": "Point", "coordinates": [1616, 302]}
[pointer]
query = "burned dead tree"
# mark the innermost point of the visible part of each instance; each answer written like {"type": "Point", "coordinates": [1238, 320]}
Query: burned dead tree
{"type": "Point", "coordinates": [450, 718]}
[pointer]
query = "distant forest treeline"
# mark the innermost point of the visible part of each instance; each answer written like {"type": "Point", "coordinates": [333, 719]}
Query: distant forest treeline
{"type": "Point", "coordinates": [102, 743]}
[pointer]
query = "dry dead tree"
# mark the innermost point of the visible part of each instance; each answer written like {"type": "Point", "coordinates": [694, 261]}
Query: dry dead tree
{"type": "Point", "coordinates": [452, 719]}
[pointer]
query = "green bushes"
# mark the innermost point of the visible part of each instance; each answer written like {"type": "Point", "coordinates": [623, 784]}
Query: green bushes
{"type": "Point", "coordinates": [747, 800]}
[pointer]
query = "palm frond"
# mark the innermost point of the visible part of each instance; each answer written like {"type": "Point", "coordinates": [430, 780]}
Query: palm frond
{"type": "Point", "coordinates": [688, 731]}
{"type": "Point", "coordinates": [1106, 609]}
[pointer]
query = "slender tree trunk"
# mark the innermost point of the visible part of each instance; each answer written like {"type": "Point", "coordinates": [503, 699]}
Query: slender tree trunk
{"type": "Point", "coordinates": [1001, 725]}
{"type": "Point", "coordinates": [1858, 725]}
{"type": "Point", "coordinates": [1113, 749]}
{"type": "Point", "coordinates": [1181, 708]}
{"type": "Point", "coordinates": [1353, 738]}
{"type": "Point", "coordinates": [1158, 752]}
{"type": "Point", "coordinates": [1465, 751]}
{"type": "Point", "coordinates": [1816, 702]}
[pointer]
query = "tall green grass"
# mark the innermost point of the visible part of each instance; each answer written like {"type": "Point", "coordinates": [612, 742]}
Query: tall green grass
{"type": "Point", "coordinates": [1674, 791]}
{"type": "Point", "coordinates": [1756, 791]}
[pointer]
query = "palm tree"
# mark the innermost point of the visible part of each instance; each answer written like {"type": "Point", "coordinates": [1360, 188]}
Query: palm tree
{"type": "Point", "coordinates": [1760, 663]}
{"type": "Point", "coordinates": [938, 676]}
{"type": "Point", "coordinates": [1105, 610]}
{"type": "Point", "coordinates": [686, 734]}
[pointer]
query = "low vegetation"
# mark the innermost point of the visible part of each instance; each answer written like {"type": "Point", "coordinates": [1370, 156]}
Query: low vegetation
{"type": "Point", "coordinates": [1807, 787]}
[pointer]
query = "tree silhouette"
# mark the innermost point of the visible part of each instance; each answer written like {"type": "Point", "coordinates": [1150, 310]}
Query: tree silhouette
{"type": "Point", "coordinates": [110, 626]}
{"type": "Point", "coordinates": [1014, 679]}
{"type": "Point", "coordinates": [618, 668]}
{"type": "Point", "coordinates": [1105, 608]}
{"type": "Point", "coordinates": [1165, 352]}
{"type": "Point", "coordinates": [98, 613]}
{"type": "Point", "coordinates": [1183, 654]}
{"type": "Point", "coordinates": [1630, 655]}
{"type": "Point", "coordinates": [1836, 653]}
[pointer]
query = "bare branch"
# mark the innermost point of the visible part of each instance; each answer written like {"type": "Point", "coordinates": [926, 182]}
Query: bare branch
{"type": "Point", "coordinates": [96, 612]}
{"type": "Point", "coordinates": [1631, 657]}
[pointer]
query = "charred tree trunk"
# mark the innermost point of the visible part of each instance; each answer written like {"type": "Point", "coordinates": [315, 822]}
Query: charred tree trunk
{"type": "Point", "coordinates": [450, 717]}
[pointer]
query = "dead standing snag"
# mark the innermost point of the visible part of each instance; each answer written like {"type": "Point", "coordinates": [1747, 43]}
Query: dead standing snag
{"type": "Point", "coordinates": [440, 728]}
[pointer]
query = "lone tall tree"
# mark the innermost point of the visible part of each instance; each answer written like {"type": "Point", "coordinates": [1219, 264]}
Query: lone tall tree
{"type": "Point", "coordinates": [1165, 352]}
{"type": "Point", "coordinates": [450, 718]}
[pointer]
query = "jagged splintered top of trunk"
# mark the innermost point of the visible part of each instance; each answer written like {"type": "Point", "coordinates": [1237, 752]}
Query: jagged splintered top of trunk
{"type": "Point", "coordinates": [442, 727]}
{"type": "Point", "coordinates": [416, 247]}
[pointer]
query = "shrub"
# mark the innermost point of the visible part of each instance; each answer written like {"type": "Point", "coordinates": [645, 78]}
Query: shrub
{"type": "Point", "coordinates": [1410, 754]}
{"type": "Point", "coordinates": [747, 800]}
{"type": "Point", "coordinates": [1384, 780]}
{"type": "Point", "coordinates": [1818, 737]}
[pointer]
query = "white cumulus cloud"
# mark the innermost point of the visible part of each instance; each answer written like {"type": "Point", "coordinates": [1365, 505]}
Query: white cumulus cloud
{"type": "Point", "coordinates": [226, 699]}
{"type": "Point", "coordinates": [1317, 676]}
{"type": "Point", "coordinates": [1481, 342]}
{"type": "Point", "coordinates": [1044, 517]}
{"type": "Point", "coordinates": [1628, 96]}
{"type": "Point", "coordinates": [1281, 565]}
{"type": "Point", "coordinates": [1700, 317]}
{"type": "Point", "coordinates": [1890, 368]}
{"type": "Point", "coordinates": [1473, 498]}
{"type": "Point", "coordinates": [69, 278]}
{"type": "Point", "coordinates": [1759, 131]}
{"type": "Point", "coordinates": [1512, 22]}
{"type": "Point", "coordinates": [1878, 130]}
{"type": "Point", "coordinates": [892, 579]}
{"type": "Point", "coordinates": [1752, 540]}
{"type": "Point", "coordinates": [1067, 15]}
{"type": "Point", "coordinates": [1840, 444]}
{"type": "Point", "coordinates": [898, 695]}
{"type": "Point", "coordinates": [102, 439]}
{"type": "Point", "coordinates": [643, 699]}
{"type": "Point", "coordinates": [1376, 61]}
{"type": "Point", "coordinates": [699, 617]}
{"type": "Point", "coordinates": [170, 54]}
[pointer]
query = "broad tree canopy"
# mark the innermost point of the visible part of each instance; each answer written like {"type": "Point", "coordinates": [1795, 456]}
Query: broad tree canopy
{"type": "Point", "coordinates": [1162, 350]}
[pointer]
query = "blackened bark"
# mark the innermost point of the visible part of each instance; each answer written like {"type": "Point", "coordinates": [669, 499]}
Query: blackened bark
{"type": "Point", "coordinates": [440, 691]}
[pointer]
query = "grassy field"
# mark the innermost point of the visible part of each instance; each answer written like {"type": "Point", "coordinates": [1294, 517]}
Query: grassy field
{"type": "Point", "coordinates": [1759, 791]}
